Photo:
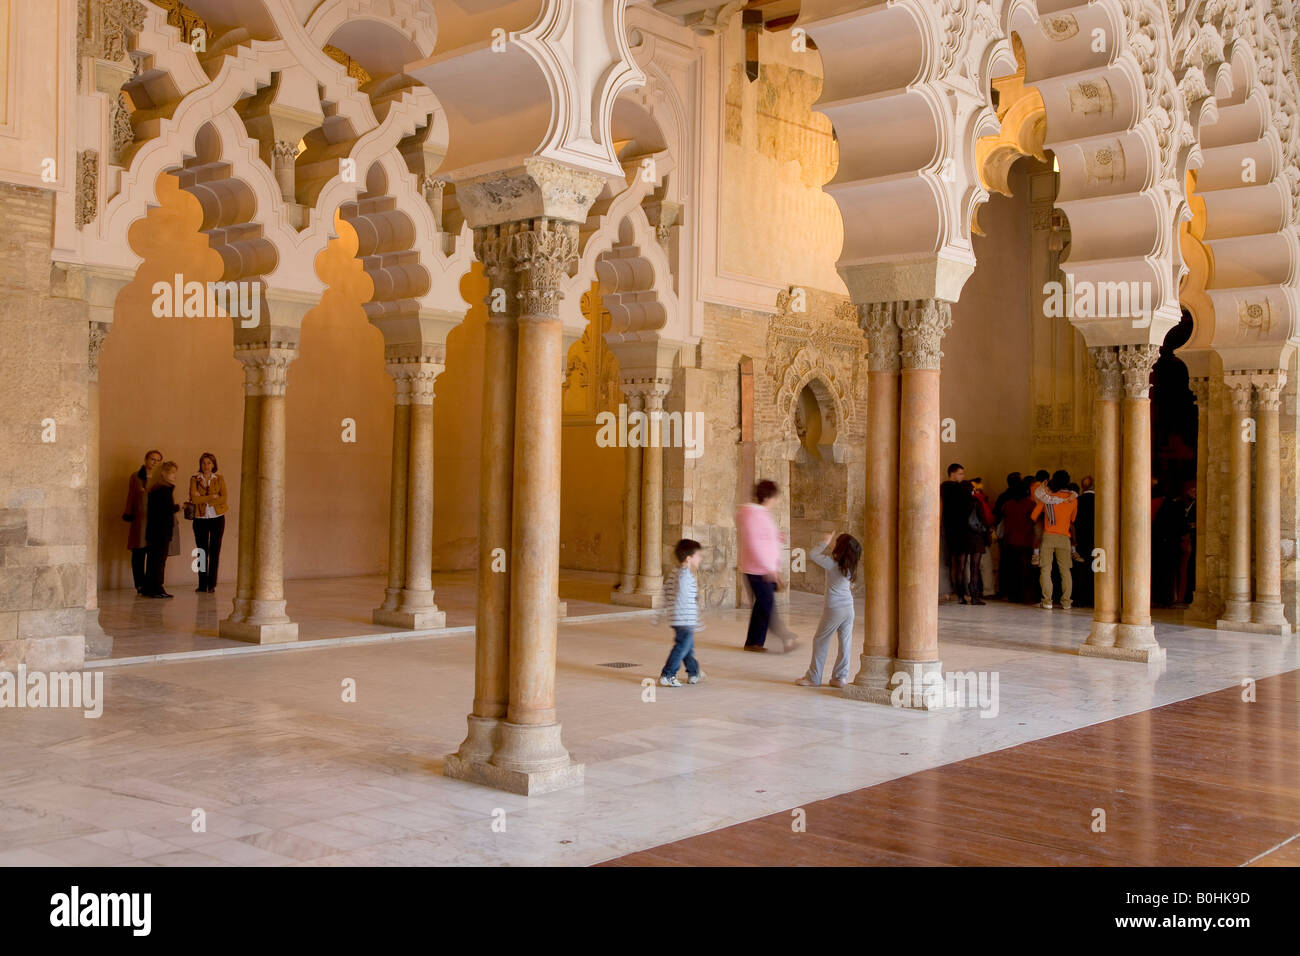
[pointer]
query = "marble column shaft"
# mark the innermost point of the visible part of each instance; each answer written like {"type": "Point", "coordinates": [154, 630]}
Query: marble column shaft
{"type": "Point", "coordinates": [1266, 612]}
{"type": "Point", "coordinates": [631, 506]}
{"type": "Point", "coordinates": [1135, 636]}
{"type": "Point", "coordinates": [1105, 617]}
{"type": "Point", "coordinates": [417, 593]}
{"type": "Point", "coordinates": [922, 325]}
{"type": "Point", "coordinates": [248, 470]}
{"type": "Point", "coordinates": [650, 579]}
{"type": "Point", "coordinates": [880, 549]}
{"type": "Point", "coordinates": [98, 643]}
{"type": "Point", "coordinates": [1237, 600]}
{"type": "Point", "coordinates": [397, 493]}
{"type": "Point", "coordinates": [1200, 609]}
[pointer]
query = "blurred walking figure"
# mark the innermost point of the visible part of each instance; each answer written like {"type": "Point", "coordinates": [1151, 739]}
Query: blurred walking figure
{"type": "Point", "coordinates": [1057, 505]}
{"type": "Point", "coordinates": [760, 561]}
{"type": "Point", "coordinates": [161, 525]}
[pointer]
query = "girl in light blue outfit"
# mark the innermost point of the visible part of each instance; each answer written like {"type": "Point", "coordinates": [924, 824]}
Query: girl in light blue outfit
{"type": "Point", "coordinates": [837, 616]}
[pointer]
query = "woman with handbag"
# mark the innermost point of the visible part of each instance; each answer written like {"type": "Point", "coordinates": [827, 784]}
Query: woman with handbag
{"type": "Point", "coordinates": [160, 525]}
{"type": "Point", "coordinates": [207, 509]}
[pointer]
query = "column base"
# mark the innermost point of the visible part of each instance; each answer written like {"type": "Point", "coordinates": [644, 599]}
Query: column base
{"type": "Point", "coordinates": [392, 597]}
{"type": "Point", "coordinates": [478, 744]}
{"type": "Point", "coordinates": [1133, 642]}
{"type": "Point", "coordinates": [1101, 634]}
{"type": "Point", "coordinates": [636, 599]}
{"type": "Point", "coordinates": [918, 685]}
{"type": "Point", "coordinates": [252, 633]}
{"type": "Point", "coordinates": [513, 781]}
{"type": "Point", "coordinates": [528, 758]}
{"type": "Point", "coordinates": [99, 643]}
{"type": "Point", "coordinates": [1234, 612]}
{"type": "Point", "coordinates": [411, 620]}
{"type": "Point", "coordinates": [1269, 614]}
{"type": "Point", "coordinates": [872, 682]}
{"type": "Point", "coordinates": [1254, 627]}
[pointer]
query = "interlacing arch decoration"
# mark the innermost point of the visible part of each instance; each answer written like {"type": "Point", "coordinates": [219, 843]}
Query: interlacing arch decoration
{"type": "Point", "coordinates": [293, 127]}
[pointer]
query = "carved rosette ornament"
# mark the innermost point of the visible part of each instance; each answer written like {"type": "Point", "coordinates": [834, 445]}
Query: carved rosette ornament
{"type": "Point", "coordinates": [87, 207]}
{"type": "Point", "coordinates": [1110, 380]}
{"type": "Point", "coordinates": [541, 253]}
{"type": "Point", "coordinates": [1137, 362]}
{"type": "Point", "coordinates": [922, 325]}
{"type": "Point", "coordinates": [877, 321]}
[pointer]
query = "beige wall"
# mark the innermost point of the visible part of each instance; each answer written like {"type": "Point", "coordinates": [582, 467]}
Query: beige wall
{"type": "Point", "coordinates": [175, 384]}
{"type": "Point", "coordinates": [986, 353]}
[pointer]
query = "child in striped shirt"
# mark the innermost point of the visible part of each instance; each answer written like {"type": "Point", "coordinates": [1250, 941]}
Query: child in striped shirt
{"type": "Point", "coordinates": [685, 616]}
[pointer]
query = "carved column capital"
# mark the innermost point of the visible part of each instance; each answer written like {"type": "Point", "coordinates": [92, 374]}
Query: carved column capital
{"type": "Point", "coordinates": [1240, 390]}
{"type": "Point", "coordinates": [1137, 362]}
{"type": "Point", "coordinates": [1201, 389]}
{"type": "Point", "coordinates": [541, 252]}
{"type": "Point", "coordinates": [98, 332]}
{"type": "Point", "coordinates": [922, 325]}
{"type": "Point", "coordinates": [415, 380]}
{"type": "Point", "coordinates": [283, 151]}
{"type": "Point", "coordinates": [266, 369]}
{"type": "Point", "coordinates": [1268, 389]}
{"type": "Point", "coordinates": [877, 320]}
{"type": "Point", "coordinates": [1110, 379]}
{"type": "Point", "coordinates": [649, 391]}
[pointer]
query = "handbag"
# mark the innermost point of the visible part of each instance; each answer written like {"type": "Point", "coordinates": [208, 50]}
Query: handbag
{"type": "Point", "coordinates": [975, 522]}
{"type": "Point", "coordinates": [188, 510]}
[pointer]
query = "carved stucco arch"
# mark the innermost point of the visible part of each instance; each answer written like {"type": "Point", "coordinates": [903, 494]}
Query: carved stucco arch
{"type": "Point", "coordinates": [811, 369]}
{"type": "Point", "coordinates": [205, 102]}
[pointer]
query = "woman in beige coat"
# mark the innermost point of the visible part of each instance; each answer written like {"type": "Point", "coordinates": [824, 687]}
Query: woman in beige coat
{"type": "Point", "coordinates": [208, 498]}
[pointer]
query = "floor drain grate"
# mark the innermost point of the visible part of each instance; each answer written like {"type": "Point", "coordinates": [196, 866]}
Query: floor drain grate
{"type": "Point", "coordinates": [619, 664]}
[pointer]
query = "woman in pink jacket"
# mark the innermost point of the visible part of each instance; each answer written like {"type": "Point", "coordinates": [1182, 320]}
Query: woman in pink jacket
{"type": "Point", "coordinates": [760, 561]}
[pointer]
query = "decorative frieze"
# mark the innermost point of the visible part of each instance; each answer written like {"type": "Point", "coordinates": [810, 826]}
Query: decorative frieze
{"type": "Point", "coordinates": [87, 187]}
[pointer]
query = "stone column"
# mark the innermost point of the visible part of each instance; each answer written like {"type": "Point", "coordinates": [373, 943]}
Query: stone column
{"type": "Point", "coordinates": [415, 605]}
{"type": "Point", "coordinates": [922, 325]}
{"type": "Point", "coordinates": [283, 156]}
{"type": "Point", "coordinates": [1105, 615]}
{"type": "Point", "coordinates": [98, 643]}
{"type": "Point", "coordinates": [1201, 609]}
{"type": "Point", "coordinates": [266, 621]}
{"type": "Point", "coordinates": [530, 755]}
{"type": "Point", "coordinates": [397, 493]}
{"type": "Point", "coordinates": [1135, 638]}
{"type": "Point", "coordinates": [1266, 614]}
{"type": "Point", "coordinates": [248, 471]}
{"type": "Point", "coordinates": [496, 497]}
{"type": "Point", "coordinates": [880, 549]}
{"type": "Point", "coordinates": [1236, 610]}
{"type": "Point", "coordinates": [650, 580]}
{"type": "Point", "coordinates": [625, 593]}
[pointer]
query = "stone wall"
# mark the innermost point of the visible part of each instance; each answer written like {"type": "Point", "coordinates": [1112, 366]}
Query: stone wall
{"type": "Point", "coordinates": [44, 505]}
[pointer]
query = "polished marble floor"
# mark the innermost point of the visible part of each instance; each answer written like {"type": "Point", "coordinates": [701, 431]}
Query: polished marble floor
{"type": "Point", "coordinates": [331, 610]}
{"type": "Point", "coordinates": [286, 772]}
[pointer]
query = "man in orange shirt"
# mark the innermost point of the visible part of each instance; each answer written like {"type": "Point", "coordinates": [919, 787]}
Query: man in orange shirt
{"type": "Point", "coordinates": [1059, 506]}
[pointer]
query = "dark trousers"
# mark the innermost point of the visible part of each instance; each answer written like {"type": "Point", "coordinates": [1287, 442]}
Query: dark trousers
{"type": "Point", "coordinates": [961, 573]}
{"type": "Point", "coordinates": [683, 652]}
{"type": "Point", "coordinates": [138, 571]}
{"type": "Point", "coordinates": [207, 538]}
{"type": "Point", "coordinates": [760, 615]}
{"type": "Point", "coordinates": [1013, 572]}
{"type": "Point", "coordinates": [157, 566]}
{"type": "Point", "coordinates": [975, 561]}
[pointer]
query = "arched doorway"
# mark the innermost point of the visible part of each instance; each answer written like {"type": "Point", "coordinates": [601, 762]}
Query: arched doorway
{"type": "Point", "coordinates": [1173, 472]}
